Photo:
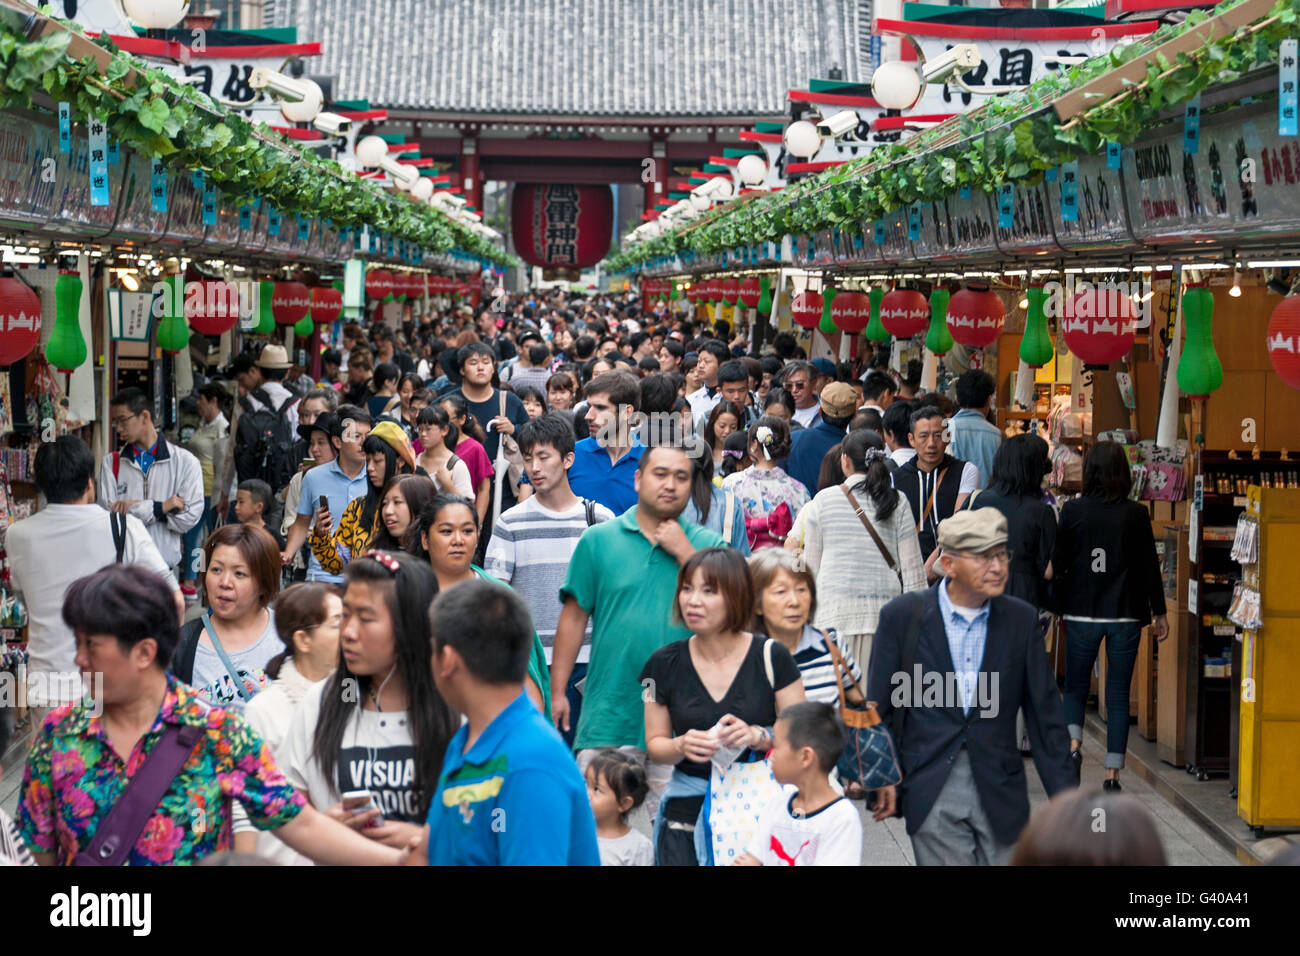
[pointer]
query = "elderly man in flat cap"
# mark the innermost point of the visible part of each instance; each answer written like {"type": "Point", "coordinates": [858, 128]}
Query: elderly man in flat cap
{"type": "Point", "coordinates": [950, 667]}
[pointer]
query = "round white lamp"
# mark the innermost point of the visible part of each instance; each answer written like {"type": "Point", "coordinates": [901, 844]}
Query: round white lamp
{"type": "Point", "coordinates": [721, 187]}
{"type": "Point", "coordinates": [370, 151]}
{"type": "Point", "coordinates": [423, 189]}
{"type": "Point", "coordinates": [700, 203]}
{"type": "Point", "coordinates": [155, 14]}
{"type": "Point", "coordinates": [896, 85]}
{"type": "Point", "coordinates": [652, 228]}
{"type": "Point", "coordinates": [802, 139]}
{"type": "Point", "coordinates": [306, 109]}
{"type": "Point", "coordinates": [752, 169]}
{"type": "Point", "coordinates": [405, 177]}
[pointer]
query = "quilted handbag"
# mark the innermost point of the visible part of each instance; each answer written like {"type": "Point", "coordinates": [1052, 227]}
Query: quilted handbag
{"type": "Point", "coordinates": [869, 757]}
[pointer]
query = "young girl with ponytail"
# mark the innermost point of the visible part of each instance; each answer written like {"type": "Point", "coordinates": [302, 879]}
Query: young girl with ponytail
{"type": "Point", "coordinates": [770, 497]}
{"type": "Point", "coordinates": [854, 575]}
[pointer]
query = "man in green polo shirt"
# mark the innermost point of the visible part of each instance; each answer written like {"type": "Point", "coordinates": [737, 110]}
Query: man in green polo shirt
{"type": "Point", "coordinates": [623, 576]}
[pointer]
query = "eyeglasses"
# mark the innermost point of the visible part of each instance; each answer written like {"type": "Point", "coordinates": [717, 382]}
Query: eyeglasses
{"type": "Point", "coordinates": [794, 385]}
{"type": "Point", "coordinates": [119, 422]}
{"type": "Point", "coordinates": [989, 558]}
{"type": "Point", "coordinates": [384, 558]}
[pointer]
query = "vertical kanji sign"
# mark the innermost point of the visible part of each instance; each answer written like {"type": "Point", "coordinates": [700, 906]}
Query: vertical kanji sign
{"type": "Point", "coordinates": [97, 133]}
{"type": "Point", "coordinates": [1288, 97]}
{"type": "Point", "coordinates": [1070, 192]}
{"type": "Point", "coordinates": [158, 185]}
{"type": "Point", "coordinates": [562, 226]}
{"type": "Point", "coordinates": [65, 128]}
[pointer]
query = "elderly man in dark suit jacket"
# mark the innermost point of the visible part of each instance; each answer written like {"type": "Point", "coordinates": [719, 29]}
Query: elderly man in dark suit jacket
{"type": "Point", "coordinates": [950, 667]}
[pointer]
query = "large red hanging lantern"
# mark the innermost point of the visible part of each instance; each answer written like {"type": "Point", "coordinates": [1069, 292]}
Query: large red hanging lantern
{"type": "Point", "coordinates": [806, 309]}
{"type": "Point", "coordinates": [730, 291]}
{"type": "Point", "coordinates": [851, 311]}
{"type": "Point", "coordinates": [1284, 340]}
{"type": "Point", "coordinates": [1098, 325]}
{"type": "Point", "coordinates": [213, 308]}
{"type": "Point", "coordinates": [750, 292]}
{"type": "Point", "coordinates": [379, 284]}
{"type": "Point", "coordinates": [326, 304]}
{"type": "Point", "coordinates": [20, 320]}
{"type": "Point", "coordinates": [290, 303]}
{"type": "Point", "coordinates": [975, 317]}
{"type": "Point", "coordinates": [904, 313]}
{"type": "Point", "coordinates": [557, 225]}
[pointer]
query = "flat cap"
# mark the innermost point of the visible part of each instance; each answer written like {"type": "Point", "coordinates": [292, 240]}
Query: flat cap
{"type": "Point", "coordinates": [982, 529]}
{"type": "Point", "coordinates": [838, 400]}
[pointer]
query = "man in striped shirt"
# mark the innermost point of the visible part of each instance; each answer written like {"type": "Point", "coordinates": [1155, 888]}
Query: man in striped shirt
{"type": "Point", "coordinates": [532, 542]}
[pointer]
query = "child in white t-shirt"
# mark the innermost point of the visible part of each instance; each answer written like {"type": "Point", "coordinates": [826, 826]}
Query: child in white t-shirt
{"type": "Point", "coordinates": [810, 824]}
{"type": "Point", "coordinates": [616, 785]}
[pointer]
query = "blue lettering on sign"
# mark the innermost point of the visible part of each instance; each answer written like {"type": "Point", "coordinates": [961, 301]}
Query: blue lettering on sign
{"type": "Point", "coordinates": [878, 235]}
{"type": "Point", "coordinates": [245, 217]}
{"type": "Point", "coordinates": [1288, 98]}
{"type": "Point", "coordinates": [272, 221]}
{"type": "Point", "coordinates": [1112, 155]}
{"type": "Point", "coordinates": [158, 185]}
{"type": "Point", "coordinates": [1006, 207]}
{"type": "Point", "coordinates": [97, 132]}
{"type": "Point", "coordinates": [1070, 192]}
{"type": "Point", "coordinates": [65, 128]}
{"type": "Point", "coordinates": [1192, 126]}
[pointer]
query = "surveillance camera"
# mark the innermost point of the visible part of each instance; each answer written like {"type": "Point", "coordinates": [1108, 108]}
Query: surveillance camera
{"type": "Point", "coordinates": [281, 86]}
{"type": "Point", "coordinates": [716, 188]}
{"type": "Point", "coordinates": [402, 175]}
{"type": "Point", "coordinates": [332, 124]}
{"type": "Point", "coordinates": [842, 123]}
{"type": "Point", "coordinates": [962, 57]}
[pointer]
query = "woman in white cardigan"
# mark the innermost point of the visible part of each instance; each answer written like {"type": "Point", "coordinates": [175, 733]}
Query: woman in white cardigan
{"type": "Point", "coordinates": [854, 578]}
{"type": "Point", "coordinates": [307, 618]}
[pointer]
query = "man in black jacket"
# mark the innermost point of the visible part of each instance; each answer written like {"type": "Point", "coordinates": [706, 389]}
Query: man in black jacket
{"type": "Point", "coordinates": [935, 484]}
{"type": "Point", "coordinates": [950, 667]}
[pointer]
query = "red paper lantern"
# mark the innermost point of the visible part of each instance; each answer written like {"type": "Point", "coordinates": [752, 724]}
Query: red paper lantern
{"type": "Point", "coordinates": [20, 320]}
{"type": "Point", "coordinates": [750, 292]}
{"type": "Point", "coordinates": [561, 226]}
{"type": "Point", "coordinates": [1284, 340]}
{"type": "Point", "coordinates": [1098, 325]}
{"type": "Point", "coordinates": [851, 311]}
{"type": "Point", "coordinates": [379, 284]}
{"type": "Point", "coordinates": [975, 317]}
{"type": "Point", "coordinates": [326, 304]}
{"type": "Point", "coordinates": [730, 291]}
{"type": "Point", "coordinates": [290, 302]}
{"type": "Point", "coordinates": [215, 309]}
{"type": "Point", "coordinates": [806, 309]}
{"type": "Point", "coordinates": [904, 313]}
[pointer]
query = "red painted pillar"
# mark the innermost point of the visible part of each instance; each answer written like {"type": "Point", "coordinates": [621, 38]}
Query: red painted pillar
{"type": "Point", "coordinates": [471, 183]}
{"type": "Point", "coordinates": [654, 175]}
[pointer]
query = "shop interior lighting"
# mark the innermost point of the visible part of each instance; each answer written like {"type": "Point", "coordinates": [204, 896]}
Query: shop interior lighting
{"type": "Point", "coordinates": [1273, 263]}
{"type": "Point", "coordinates": [1235, 291]}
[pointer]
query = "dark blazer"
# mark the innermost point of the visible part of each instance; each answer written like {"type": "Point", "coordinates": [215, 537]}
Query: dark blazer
{"type": "Point", "coordinates": [934, 735]}
{"type": "Point", "coordinates": [1128, 584]}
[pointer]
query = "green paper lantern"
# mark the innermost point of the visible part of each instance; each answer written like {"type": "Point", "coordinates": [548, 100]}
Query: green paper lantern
{"type": "Point", "coordinates": [765, 296]}
{"type": "Point", "coordinates": [1036, 344]}
{"type": "Point", "coordinates": [173, 333]}
{"type": "Point", "coordinates": [304, 327]}
{"type": "Point", "coordinates": [672, 291]}
{"type": "Point", "coordinates": [827, 326]}
{"type": "Point", "coordinates": [939, 340]}
{"type": "Point", "coordinates": [66, 348]}
{"type": "Point", "coordinates": [1199, 369]}
{"type": "Point", "coordinates": [876, 331]}
{"type": "Point", "coordinates": [265, 320]}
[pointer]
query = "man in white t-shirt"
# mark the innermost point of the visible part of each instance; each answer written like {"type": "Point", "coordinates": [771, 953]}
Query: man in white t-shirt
{"type": "Point", "coordinates": [68, 539]}
{"type": "Point", "coordinates": [532, 542]}
{"type": "Point", "coordinates": [799, 379]}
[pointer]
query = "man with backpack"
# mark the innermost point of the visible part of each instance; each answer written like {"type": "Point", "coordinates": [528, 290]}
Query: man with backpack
{"type": "Point", "coordinates": [532, 542]}
{"type": "Point", "coordinates": [69, 538]}
{"type": "Point", "coordinates": [265, 429]}
{"type": "Point", "coordinates": [158, 482]}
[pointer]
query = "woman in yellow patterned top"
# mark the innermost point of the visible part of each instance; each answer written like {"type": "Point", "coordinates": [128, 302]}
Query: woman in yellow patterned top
{"type": "Point", "coordinates": [388, 453]}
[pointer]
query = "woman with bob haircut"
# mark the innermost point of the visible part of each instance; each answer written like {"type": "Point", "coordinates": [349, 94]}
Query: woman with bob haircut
{"type": "Point", "coordinates": [84, 760]}
{"type": "Point", "coordinates": [717, 677]}
{"type": "Point", "coordinates": [224, 652]}
{"type": "Point", "coordinates": [1106, 585]}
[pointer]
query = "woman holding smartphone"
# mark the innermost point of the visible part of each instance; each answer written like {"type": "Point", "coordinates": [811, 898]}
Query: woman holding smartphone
{"type": "Point", "coordinates": [378, 723]}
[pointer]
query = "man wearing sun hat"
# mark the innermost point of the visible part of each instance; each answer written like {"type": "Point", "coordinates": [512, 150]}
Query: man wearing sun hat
{"type": "Point", "coordinates": [260, 386]}
{"type": "Point", "coordinates": [950, 668]}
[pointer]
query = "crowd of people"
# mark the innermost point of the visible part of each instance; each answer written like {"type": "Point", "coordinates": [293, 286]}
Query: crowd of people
{"type": "Point", "coordinates": [513, 586]}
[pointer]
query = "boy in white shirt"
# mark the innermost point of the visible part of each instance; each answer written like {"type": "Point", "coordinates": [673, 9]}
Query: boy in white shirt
{"type": "Point", "coordinates": [812, 825]}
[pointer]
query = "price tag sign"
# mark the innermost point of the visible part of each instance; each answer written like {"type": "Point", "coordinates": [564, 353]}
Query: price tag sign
{"type": "Point", "coordinates": [1112, 155]}
{"type": "Point", "coordinates": [1006, 207]}
{"type": "Point", "coordinates": [158, 185]}
{"type": "Point", "coordinates": [1070, 192]}
{"type": "Point", "coordinates": [65, 128]}
{"type": "Point", "coordinates": [209, 205]}
{"type": "Point", "coordinates": [1192, 126]}
{"type": "Point", "coordinates": [272, 221]}
{"type": "Point", "coordinates": [97, 132]}
{"type": "Point", "coordinates": [1287, 72]}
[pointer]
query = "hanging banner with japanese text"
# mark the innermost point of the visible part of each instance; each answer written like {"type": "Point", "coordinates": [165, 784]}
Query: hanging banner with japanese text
{"type": "Point", "coordinates": [559, 226]}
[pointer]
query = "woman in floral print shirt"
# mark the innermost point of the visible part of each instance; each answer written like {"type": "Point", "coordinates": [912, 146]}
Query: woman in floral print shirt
{"type": "Point", "coordinates": [82, 760]}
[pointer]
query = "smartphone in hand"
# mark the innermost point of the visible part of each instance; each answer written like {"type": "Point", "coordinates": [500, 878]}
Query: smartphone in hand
{"type": "Point", "coordinates": [359, 801]}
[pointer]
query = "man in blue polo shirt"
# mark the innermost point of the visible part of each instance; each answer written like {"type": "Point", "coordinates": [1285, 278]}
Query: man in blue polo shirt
{"type": "Point", "coordinates": [604, 465]}
{"type": "Point", "coordinates": [338, 481]}
{"type": "Point", "coordinates": [510, 793]}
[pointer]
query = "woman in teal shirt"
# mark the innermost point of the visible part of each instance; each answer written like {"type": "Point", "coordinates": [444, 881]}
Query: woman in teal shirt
{"type": "Point", "coordinates": [446, 535]}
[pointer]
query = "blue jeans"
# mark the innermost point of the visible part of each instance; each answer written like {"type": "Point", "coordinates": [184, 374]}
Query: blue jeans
{"type": "Point", "coordinates": [575, 703]}
{"type": "Point", "coordinates": [1082, 642]}
{"type": "Point", "coordinates": [191, 544]}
